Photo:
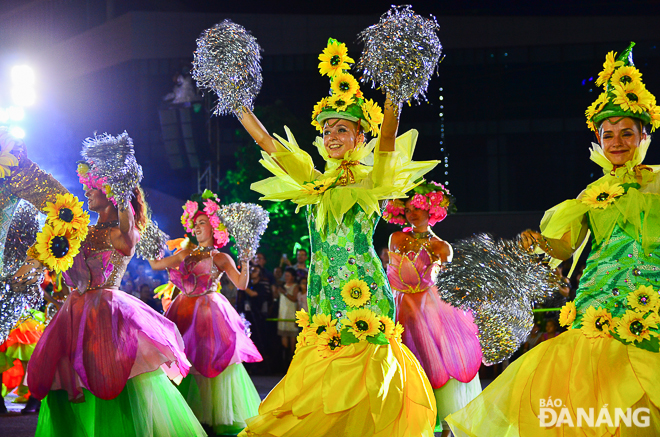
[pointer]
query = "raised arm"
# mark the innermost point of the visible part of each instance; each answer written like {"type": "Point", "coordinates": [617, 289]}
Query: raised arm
{"type": "Point", "coordinates": [125, 237]}
{"type": "Point", "coordinates": [170, 261]}
{"type": "Point", "coordinates": [390, 126]}
{"type": "Point", "coordinates": [257, 131]}
{"type": "Point", "coordinates": [559, 248]}
{"type": "Point", "coordinates": [227, 264]}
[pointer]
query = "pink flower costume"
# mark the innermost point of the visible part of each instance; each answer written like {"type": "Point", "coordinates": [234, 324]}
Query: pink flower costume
{"type": "Point", "coordinates": [99, 360]}
{"type": "Point", "coordinates": [443, 338]}
{"type": "Point", "coordinates": [216, 344]}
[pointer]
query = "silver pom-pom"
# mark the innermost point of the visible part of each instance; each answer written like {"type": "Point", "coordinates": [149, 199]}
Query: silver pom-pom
{"type": "Point", "coordinates": [152, 242]}
{"type": "Point", "coordinates": [21, 236]}
{"type": "Point", "coordinates": [227, 61]}
{"type": "Point", "coordinates": [113, 160]}
{"type": "Point", "coordinates": [246, 222]}
{"type": "Point", "coordinates": [499, 282]}
{"type": "Point", "coordinates": [400, 54]}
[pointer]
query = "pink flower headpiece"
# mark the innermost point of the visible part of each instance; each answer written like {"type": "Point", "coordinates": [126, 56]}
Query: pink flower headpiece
{"type": "Point", "coordinates": [207, 204]}
{"type": "Point", "coordinates": [429, 196]}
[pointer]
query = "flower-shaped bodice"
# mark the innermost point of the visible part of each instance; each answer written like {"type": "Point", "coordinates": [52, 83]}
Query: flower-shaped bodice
{"type": "Point", "coordinates": [410, 272]}
{"type": "Point", "coordinates": [197, 274]}
{"type": "Point", "coordinates": [98, 264]}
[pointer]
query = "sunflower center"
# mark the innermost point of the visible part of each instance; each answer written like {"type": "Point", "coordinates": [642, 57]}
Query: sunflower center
{"type": "Point", "coordinates": [320, 330]}
{"type": "Point", "coordinates": [59, 246]}
{"type": "Point", "coordinates": [356, 293]}
{"type": "Point", "coordinates": [636, 328]}
{"type": "Point", "coordinates": [344, 86]}
{"type": "Point", "coordinates": [66, 214]}
{"type": "Point", "coordinates": [632, 97]}
{"type": "Point", "coordinates": [340, 102]}
{"type": "Point", "coordinates": [643, 300]}
{"type": "Point", "coordinates": [381, 327]}
{"type": "Point", "coordinates": [335, 60]}
{"type": "Point", "coordinates": [603, 197]}
{"type": "Point", "coordinates": [601, 323]}
{"type": "Point", "coordinates": [334, 343]}
{"type": "Point", "coordinates": [361, 325]}
{"type": "Point", "coordinates": [625, 79]}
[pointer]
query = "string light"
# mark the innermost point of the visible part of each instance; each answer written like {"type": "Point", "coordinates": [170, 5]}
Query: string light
{"type": "Point", "coordinates": [443, 150]}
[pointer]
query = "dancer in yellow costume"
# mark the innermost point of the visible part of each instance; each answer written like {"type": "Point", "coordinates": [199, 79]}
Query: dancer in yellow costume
{"type": "Point", "coordinates": [600, 377]}
{"type": "Point", "coordinates": [350, 376]}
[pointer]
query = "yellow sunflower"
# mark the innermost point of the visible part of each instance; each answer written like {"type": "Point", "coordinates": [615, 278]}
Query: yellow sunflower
{"type": "Point", "coordinates": [597, 323]}
{"type": "Point", "coordinates": [601, 195]}
{"type": "Point", "coordinates": [66, 214]}
{"type": "Point", "coordinates": [632, 96]}
{"type": "Point", "coordinates": [302, 318]}
{"type": "Point", "coordinates": [329, 342]}
{"type": "Point", "coordinates": [340, 102]}
{"type": "Point", "coordinates": [362, 323]}
{"type": "Point", "coordinates": [301, 340]}
{"type": "Point", "coordinates": [387, 327]}
{"type": "Point", "coordinates": [634, 328]}
{"type": "Point", "coordinates": [334, 59]}
{"type": "Point", "coordinates": [609, 66]}
{"type": "Point", "coordinates": [626, 74]}
{"type": "Point", "coordinates": [55, 250]}
{"type": "Point", "coordinates": [344, 84]}
{"type": "Point", "coordinates": [644, 299]}
{"type": "Point", "coordinates": [318, 186]}
{"type": "Point", "coordinates": [398, 331]}
{"type": "Point", "coordinates": [567, 314]}
{"type": "Point", "coordinates": [356, 293]}
{"type": "Point", "coordinates": [596, 106]}
{"type": "Point", "coordinates": [654, 112]}
{"type": "Point", "coordinates": [7, 160]}
{"type": "Point", "coordinates": [321, 322]}
{"type": "Point", "coordinates": [373, 114]}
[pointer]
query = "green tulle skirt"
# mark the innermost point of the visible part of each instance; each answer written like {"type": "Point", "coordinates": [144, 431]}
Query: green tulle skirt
{"type": "Point", "coordinates": [223, 402]}
{"type": "Point", "coordinates": [149, 405]}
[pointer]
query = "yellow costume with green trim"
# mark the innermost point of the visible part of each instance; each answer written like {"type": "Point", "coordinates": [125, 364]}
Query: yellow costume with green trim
{"type": "Point", "coordinates": [608, 361]}
{"type": "Point", "coordinates": [350, 376]}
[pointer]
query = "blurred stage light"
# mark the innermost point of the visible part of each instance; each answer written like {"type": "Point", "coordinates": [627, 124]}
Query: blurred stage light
{"type": "Point", "coordinates": [4, 116]}
{"type": "Point", "coordinates": [23, 96]}
{"type": "Point", "coordinates": [17, 132]}
{"type": "Point", "coordinates": [22, 75]}
{"type": "Point", "coordinates": [16, 113]}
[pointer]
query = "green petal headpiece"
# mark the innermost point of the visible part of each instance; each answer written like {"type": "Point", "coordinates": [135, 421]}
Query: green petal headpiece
{"type": "Point", "coordinates": [624, 93]}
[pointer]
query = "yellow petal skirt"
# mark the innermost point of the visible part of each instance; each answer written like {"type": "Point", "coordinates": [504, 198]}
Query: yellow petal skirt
{"type": "Point", "coordinates": [362, 390]}
{"type": "Point", "coordinates": [576, 374]}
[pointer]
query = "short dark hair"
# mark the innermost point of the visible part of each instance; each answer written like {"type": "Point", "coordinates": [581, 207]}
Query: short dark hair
{"type": "Point", "coordinates": [292, 271]}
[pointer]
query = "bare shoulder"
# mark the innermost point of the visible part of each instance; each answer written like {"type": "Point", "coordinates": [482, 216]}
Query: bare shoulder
{"type": "Point", "coordinates": [441, 247]}
{"type": "Point", "coordinates": [396, 239]}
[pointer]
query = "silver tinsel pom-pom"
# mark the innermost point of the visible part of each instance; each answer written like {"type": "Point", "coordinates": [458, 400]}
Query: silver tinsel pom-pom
{"type": "Point", "coordinates": [499, 282]}
{"type": "Point", "coordinates": [227, 61]}
{"type": "Point", "coordinates": [113, 159]}
{"type": "Point", "coordinates": [246, 222]}
{"type": "Point", "coordinates": [153, 242]}
{"type": "Point", "coordinates": [400, 54]}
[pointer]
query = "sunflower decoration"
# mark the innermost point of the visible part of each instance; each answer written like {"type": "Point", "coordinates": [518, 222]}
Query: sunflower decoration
{"type": "Point", "coordinates": [387, 327]}
{"type": "Point", "coordinates": [329, 342]}
{"type": "Point", "coordinates": [567, 314]}
{"type": "Point", "coordinates": [625, 95]}
{"type": "Point", "coordinates": [301, 340]}
{"type": "Point", "coordinates": [362, 323]}
{"type": "Point", "coordinates": [398, 331]}
{"type": "Point", "coordinates": [302, 318]}
{"type": "Point", "coordinates": [55, 250]}
{"type": "Point", "coordinates": [356, 293]}
{"type": "Point", "coordinates": [334, 58]}
{"type": "Point", "coordinates": [644, 299]}
{"type": "Point", "coordinates": [633, 327]}
{"type": "Point", "coordinates": [66, 214]}
{"type": "Point", "coordinates": [602, 195]}
{"type": "Point", "coordinates": [597, 323]}
{"type": "Point", "coordinates": [346, 100]}
{"type": "Point", "coordinates": [319, 186]}
{"type": "Point", "coordinates": [7, 159]}
{"type": "Point", "coordinates": [322, 322]}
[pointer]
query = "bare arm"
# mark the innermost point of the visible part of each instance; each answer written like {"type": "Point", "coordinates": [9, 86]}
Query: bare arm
{"type": "Point", "coordinates": [293, 297]}
{"type": "Point", "coordinates": [257, 130]}
{"type": "Point", "coordinates": [170, 261]}
{"type": "Point", "coordinates": [559, 248]}
{"type": "Point", "coordinates": [126, 236]}
{"type": "Point", "coordinates": [227, 264]}
{"type": "Point", "coordinates": [390, 126]}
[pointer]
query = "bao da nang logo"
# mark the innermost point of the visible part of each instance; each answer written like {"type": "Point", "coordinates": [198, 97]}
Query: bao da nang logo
{"type": "Point", "coordinates": [553, 412]}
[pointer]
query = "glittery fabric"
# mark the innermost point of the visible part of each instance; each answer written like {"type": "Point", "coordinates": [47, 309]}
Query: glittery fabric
{"type": "Point", "coordinates": [212, 330]}
{"type": "Point", "coordinates": [31, 183]}
{"type": "Point", "coordinates": [246, 223]}
{"type": "Point", "coordinates": [347, 253]}
{"type": "Point", "coordinates": [400, 54]}
{"type": "Point", "coordinates": [152, 242]}
{"type": "Point", "coordinates": [615, 268]}
{"type": "Point", "coordinates": [101, 337]}
{"type": "Point", "coordinates": [227, 62]}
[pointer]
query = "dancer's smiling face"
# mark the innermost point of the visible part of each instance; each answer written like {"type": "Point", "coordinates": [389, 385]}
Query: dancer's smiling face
{"type": "Point", "coordinates": [417, 217]}
{"type": "Point", "coordinates": [340, 136]}
{"type": "Point", "coordinates": [620, 137]}
{"type": "Point", "coordinates": [203, 230]}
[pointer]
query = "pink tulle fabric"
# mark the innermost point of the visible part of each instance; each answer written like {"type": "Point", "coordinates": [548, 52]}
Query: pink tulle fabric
{"type": "Point", "coordinates": [101, 338]}
{"type": "Point", "coordinates": [212, 330]}
{"type": "Point", "coordinates": [443, 338]}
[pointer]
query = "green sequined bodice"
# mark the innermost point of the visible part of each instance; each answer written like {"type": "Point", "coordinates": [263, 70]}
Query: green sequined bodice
{"type": "Point", "coordinates": [615, 268]}
{"type": "Point", "coordinates": [342, 255]}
